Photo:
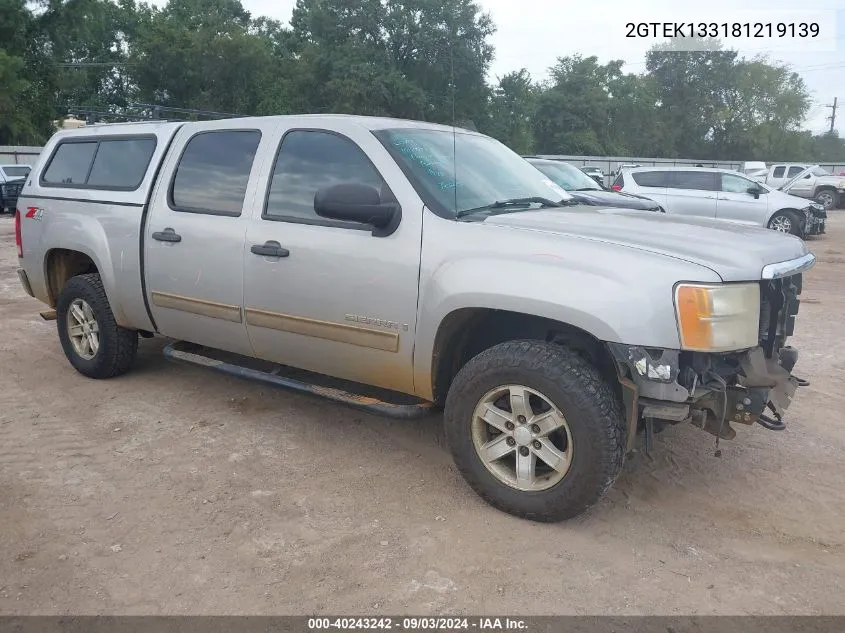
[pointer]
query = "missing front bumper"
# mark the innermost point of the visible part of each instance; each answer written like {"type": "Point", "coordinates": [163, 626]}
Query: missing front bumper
{"type": "Point", "coordinates": [711, 391]}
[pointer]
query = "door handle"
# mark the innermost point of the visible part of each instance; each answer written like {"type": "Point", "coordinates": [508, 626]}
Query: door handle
{"type": "Point", "coordinates": [167, 235]}
{"type": "Point", "coordinates": [270, 248]}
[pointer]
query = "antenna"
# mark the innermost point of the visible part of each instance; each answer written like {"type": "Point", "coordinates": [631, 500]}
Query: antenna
{"type": "Point", "coordinates": [454, 122]}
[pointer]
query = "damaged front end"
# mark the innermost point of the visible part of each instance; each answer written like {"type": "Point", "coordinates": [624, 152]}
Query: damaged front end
{"type": "Point", "coordinates": [715, 390]}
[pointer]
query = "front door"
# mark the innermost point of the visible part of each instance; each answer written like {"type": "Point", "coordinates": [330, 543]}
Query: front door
{"type": "Point", "coordinates": [194, 238]}
{"type": "Point", "coordinates": [692, 193]}
{"type": "Point", "coordinates": [328, 296]}
{"type": "Point", "coordinates": [737, 205]}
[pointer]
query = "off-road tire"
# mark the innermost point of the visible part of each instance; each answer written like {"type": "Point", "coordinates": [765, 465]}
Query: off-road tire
{"type": "Point", "coordinates": [795, 220]}
{"type": "Point", "coordinates": [118, 346]}
{"type": "Point", "coordinates": [585, 399]}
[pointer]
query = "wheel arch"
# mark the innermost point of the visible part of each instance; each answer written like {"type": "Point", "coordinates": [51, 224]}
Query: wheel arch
{"type": "Point", "coordinates": [60, 265]}
{"type": "Point", "coordinates": [466, 332]}
{"type": "Point", "coordinates": [797, 214]}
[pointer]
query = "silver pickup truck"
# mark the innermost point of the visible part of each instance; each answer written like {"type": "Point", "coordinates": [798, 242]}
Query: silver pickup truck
{"type": "Point", "coordinates": [399, 265]}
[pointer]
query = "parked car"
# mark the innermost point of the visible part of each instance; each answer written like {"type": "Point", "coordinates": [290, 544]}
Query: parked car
{"type": "Point", "coordinates": [9, 191]}
{"type": "Point", "coordinates": [595, 173]}
{"type": "Point", "coordinates": [14, 172]}
{"type": "Point", "coordinates": [11, 181]}
{"type": "Point", "coordinates": [806, 181]}
{"type": "Point", "coordinates": [724, 195]}
{"type": "Point", "coordinates": [354, 247]}
{"type": "Point", "coordinates": [583, 189]}
{"type": "Point", "coordinates": [753, 169]}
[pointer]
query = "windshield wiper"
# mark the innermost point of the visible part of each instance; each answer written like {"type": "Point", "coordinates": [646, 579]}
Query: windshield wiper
{"type": "Point", "coordinates": [513, 202]}
{"type": "Point", "coordinates": [588, 189]}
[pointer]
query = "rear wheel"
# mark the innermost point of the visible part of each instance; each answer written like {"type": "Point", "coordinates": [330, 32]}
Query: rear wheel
{"type": "Point", "coordinates": [786, 222]}
{"type": "Point", "coordinates": [535, 430]}
{"type": "Point", "coordinates": [92, 341]}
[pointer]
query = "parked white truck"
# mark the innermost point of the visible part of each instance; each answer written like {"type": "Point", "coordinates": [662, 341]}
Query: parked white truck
{"type": "Point", "coordinates": [347, 256]}
{"type": "Point", "coordinates": [805, 181]}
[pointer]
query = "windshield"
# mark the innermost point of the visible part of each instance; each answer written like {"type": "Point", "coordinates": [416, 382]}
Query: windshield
{"type": "Point", "coordinates": [818, 171]}
{"type": "Point", "coordinates": [567, 176]}
{"type": "Point", "coordinates": [487, 171]}
{"type": "Point", "coordinates": [17, 172]}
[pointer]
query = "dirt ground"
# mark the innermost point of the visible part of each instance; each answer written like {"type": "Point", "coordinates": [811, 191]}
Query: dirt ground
{"type": "Point", "coordinates": [175, 490]}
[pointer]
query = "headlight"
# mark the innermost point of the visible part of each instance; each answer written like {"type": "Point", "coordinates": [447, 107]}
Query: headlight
{"type": "Point", "coordinates": [718, 317]}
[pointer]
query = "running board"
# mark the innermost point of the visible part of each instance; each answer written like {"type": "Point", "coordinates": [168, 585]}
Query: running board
{"type": "Point", "coordinates": [357, 401]}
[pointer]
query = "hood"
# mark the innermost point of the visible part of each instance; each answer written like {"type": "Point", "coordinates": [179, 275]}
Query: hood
{"type": "Point", "coordinates": [601, 198]}
{"type": "Point", "coordinates": [735, 252]}
{"type": "Point", "coordinates": [783, 199]}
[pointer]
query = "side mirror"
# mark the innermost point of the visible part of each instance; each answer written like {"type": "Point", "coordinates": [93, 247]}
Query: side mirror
{"type": "Point", "coordinates": [354, 202]}
{"type": "Point", "coordinates": [754, 191]}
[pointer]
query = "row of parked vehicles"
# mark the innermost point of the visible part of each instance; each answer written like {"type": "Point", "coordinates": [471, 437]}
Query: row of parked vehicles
{"type": "Point", "coordinates": [401, 266]}
{"type": "Point", "coordinates": [701, 192]}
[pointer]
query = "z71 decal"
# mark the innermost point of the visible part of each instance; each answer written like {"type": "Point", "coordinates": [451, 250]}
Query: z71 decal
{"type": "Point", "coordinates": [34, 213]}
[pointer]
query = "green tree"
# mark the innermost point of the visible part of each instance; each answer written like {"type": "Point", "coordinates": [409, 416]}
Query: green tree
{"type": "Point", "coordinates": [512, 109]}
{"type": "Point", "coordinates": [573, 111]}
{"type": "Point", "coordinates": [206, 54]}
{"type": "Point", "coordinates": [424, 59]}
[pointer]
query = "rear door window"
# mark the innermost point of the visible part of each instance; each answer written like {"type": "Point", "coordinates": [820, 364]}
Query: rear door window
{"type": "Point", "coordinates": [778, 172]}
{"type": "Point", "coordinates": [650, 178]}
{"type": "Point", "coordinates": [213, 172]}
{"type": "Point", "coordinates": [696, 180]}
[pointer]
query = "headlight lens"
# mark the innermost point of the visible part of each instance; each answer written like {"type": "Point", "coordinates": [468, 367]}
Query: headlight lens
{"type": "Point", "coordinates": [718, 317]}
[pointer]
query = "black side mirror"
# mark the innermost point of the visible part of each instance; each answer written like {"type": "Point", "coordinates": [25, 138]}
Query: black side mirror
{"type": "Point", "coordinates": [354, 202]}
{"type": "Point", "coordinates": [754, 191]}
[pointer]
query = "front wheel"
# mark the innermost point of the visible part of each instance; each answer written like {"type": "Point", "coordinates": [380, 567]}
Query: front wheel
{"type": "Point", "coordinates": [535, 430]}
{"type": "Point", "coordinates": [92, 341]}
{"type": "Point", "coordinates": [827, 198]}
{"type": "Point", "coordinates": [786, 222]}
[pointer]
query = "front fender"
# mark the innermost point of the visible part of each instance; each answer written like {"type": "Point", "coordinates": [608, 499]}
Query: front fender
{"type": "Point", "coordinates": [631, 304]}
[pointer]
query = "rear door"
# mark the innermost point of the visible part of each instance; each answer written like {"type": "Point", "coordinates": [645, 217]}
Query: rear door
{"type": "Point", "coordinates": [194, 238]}
{"type": "Point", "coordinates": [735, 204]}
{"type": "Point", "coordinates": [692, 193]}
{"type": "Point", "coordinates": [651, 184]}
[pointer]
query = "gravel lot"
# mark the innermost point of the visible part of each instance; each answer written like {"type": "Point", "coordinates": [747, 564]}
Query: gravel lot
{"type": "Point", "coordinates": [176, 490]}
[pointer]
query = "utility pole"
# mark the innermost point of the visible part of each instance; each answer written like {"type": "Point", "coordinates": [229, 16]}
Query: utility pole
{"type": "Point", "coordinates": [832, 116]}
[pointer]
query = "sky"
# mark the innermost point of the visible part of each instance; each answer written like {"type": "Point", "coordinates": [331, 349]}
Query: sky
{"type": "Point", "coordinates": [532, 34]}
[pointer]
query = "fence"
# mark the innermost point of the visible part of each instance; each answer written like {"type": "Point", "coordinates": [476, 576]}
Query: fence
{"type": "Point", "coordinates": [27, 155]}
{"type": "Point", "coordinates": [18, 154]}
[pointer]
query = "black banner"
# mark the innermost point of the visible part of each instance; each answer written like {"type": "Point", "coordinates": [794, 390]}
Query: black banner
{"type": "Point", "coordinates": [310, 624]}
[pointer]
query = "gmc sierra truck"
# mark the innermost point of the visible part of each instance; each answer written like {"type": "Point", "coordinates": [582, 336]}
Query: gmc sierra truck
{"type": "Point", "coordinates": [401, 267]}
{"type": "Point", "coordinates": [806, 181]}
